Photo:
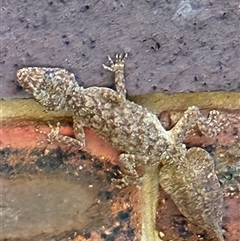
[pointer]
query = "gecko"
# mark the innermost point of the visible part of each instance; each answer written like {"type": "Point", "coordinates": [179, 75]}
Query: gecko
{"type": "Point", "coordinates": [188, 175]}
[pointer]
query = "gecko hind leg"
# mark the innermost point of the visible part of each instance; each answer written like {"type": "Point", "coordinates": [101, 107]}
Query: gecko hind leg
{"type": "Point", "coordinates": [192, 117]}
{"type": "Point", "coordinates": [130, 176]}
{"type": "Point", "coordinates": [118, 69]}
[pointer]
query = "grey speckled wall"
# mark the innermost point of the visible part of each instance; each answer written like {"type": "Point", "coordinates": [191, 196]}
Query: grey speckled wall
{"type": "Point", "coordinates": [173, 46]}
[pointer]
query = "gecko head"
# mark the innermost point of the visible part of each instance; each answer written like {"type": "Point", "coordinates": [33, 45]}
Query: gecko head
{"type": "Point", "coordinates": [51, 87]}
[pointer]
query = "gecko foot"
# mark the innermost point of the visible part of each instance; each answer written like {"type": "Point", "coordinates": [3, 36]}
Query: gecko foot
{"type": "Point", "coordinates": [51, 136]}
{"type": "Point", "coordinates": [214, 124]}
{"type": "Point", "coordinates": [118, 66]}
{"type": "Point", "coordinates": [126, 180]}
{"type": "Point", "coordinates": [118, 69]}
{"type": "Point", "coordinates": [54, 136]}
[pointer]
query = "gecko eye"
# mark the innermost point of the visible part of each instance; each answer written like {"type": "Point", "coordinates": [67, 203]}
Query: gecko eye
{"type": "Point", "coordinates": [49, 74]}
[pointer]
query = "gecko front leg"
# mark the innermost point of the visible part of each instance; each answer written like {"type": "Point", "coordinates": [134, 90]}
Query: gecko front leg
{"type": "Point", "coordinates": [54, 136]}
{"type": "Point", "coordinates": [118, 69]}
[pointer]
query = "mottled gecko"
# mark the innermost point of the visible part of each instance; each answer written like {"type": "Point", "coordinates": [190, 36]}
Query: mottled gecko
{"type": "Point", "coordinates": [187, 175]}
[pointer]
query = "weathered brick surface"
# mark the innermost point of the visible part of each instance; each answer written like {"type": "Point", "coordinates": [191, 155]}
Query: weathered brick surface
{"type": "Point", "coordinates": [77, 188]}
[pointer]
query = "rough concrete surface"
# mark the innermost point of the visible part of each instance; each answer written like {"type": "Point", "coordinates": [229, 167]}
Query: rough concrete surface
{"type": "Point", "coordinates": [173, 46]}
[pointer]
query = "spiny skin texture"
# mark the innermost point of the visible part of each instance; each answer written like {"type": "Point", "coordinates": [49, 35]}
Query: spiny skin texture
{"type": "Point", "coordinates": [187, 175]}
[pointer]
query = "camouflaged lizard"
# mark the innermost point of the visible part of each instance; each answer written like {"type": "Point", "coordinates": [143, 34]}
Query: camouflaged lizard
{"type": "Point", "coordinates": [187, 175]}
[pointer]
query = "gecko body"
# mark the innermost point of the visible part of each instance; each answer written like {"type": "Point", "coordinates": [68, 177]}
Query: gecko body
{"type": "Point", "coordinates": [187, 175]}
